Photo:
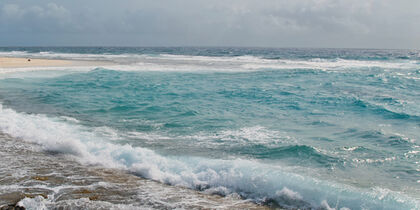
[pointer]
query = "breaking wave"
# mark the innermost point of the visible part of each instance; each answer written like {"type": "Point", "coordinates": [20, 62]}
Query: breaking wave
{"type": "Point", "coordinates": [171, 62]}
{"type": "Point", "coordinates": [249, 178]}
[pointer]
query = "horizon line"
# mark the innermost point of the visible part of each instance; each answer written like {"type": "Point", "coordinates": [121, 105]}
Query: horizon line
{"type": "Point", "coordinates": [203, 46]}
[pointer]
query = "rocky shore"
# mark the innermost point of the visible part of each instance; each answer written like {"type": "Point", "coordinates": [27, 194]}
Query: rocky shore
{"type": "Point", "coordinates": [30, 176]}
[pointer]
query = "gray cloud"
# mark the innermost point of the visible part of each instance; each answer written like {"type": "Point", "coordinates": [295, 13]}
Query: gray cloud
{"type": "Point", "coordinates": [274, 23]}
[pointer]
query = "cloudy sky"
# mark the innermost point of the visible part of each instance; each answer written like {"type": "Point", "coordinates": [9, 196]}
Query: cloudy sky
{"type": "Point", "coordinates": [265, 23]}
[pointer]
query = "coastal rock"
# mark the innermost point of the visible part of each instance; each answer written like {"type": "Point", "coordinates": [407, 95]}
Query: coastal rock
{"type": "Point", "coordinates": [8, 201]}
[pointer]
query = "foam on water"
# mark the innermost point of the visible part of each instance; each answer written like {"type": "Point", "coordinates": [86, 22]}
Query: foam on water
{"type": "Point", "coordinates": [44, 72]}
{"type": "Point", "coordinates": [51, 181]}
{"type": "Point", "coordinates": [257, 135]}
{"type": "Point", "coordinates": [301, 128]}
{"type": "Point", "coordinates": [248, 178]}
{"type": "Point", "coordinates": [170, 62]}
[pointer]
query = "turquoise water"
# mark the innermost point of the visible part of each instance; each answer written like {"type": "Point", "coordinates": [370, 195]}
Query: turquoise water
{"type": "Point", "coordinates": [300, 128]}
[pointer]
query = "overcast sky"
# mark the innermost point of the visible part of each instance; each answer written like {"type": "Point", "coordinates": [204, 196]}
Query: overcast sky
{"type": "Point", "coordinates": [265, 23]}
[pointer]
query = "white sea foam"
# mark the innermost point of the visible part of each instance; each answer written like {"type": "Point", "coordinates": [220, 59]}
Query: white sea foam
{"type": "Point", "coordinates": [37, 203]}
{"type": "Point", "coordinates": [255, 135]}
{"type": "Point", "coordinates": [40, 203]}
{"type": "Point", "coordinates": [70, 119]}
{"type": "Point", "coordinates": [350, 148]}
{"type": "Point", "coordinates": [166, 62]}
{"type": "Point", "coordinates": [248, 178]}
{"type": "Point", "coordinates": [289, 194]}
{"type": "Point", "coordinates": [55, 55]}
{"type": "Point", "coordinates": [43, 72]}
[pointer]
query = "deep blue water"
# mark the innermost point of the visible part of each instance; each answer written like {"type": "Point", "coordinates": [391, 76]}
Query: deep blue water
{"type": "Point", "coordinates": [299, 127]}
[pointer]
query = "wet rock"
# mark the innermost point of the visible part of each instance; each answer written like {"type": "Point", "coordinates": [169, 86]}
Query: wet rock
{"type": "Point", "coordinates": [9, 200]}
{"type": "Point", "coordinates": [94, 197]}
{"type": "Point", "coordinates": [40, 178]}
{"type": "Point", "coordinates": [35, 195]}
{"type": "Point", "coordinates": [12, 207]}
{"type": "Point", "coordinates": [82, 191]}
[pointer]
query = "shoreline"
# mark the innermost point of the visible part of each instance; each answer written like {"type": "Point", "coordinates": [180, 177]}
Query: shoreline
{"type": "Point", "coordinates": [18, 62]}
{"type": "Point", "coordinates": [100, 185]}
{"type": "Point", "coordinates": [164, 118]}
{"type": "Point", "coordinates": [91, 186]}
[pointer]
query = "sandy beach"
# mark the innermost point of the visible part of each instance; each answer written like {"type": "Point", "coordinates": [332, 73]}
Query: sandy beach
{"type": "Point", "coordinates": [9, 62]}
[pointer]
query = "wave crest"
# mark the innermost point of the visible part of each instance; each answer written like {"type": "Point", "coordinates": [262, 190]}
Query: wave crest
{"type": "Point", "coordinates": [247, 178]}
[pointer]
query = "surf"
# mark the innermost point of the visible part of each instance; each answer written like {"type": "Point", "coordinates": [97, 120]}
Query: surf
{"type": "Point", "coordinates": [210, 175]}
{"type": "Point", "coordinates": [305, 130]}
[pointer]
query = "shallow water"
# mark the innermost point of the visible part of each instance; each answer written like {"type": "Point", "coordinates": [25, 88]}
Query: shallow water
{"type": "Point", "coordinates": [38, 180]}
{"type": "Point", "coordinates": [298, 128]}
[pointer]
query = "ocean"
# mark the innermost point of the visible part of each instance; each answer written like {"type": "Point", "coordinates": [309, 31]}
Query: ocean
{"type": "Point", "coordinates": [279, 128]}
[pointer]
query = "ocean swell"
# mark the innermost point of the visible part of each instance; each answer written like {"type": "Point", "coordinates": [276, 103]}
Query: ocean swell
{"type": "Point", "coordinates": [249, 178]}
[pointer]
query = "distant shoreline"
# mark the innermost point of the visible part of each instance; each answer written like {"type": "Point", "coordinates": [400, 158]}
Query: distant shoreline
{"type": "Point", "coordinates": [15, 62]}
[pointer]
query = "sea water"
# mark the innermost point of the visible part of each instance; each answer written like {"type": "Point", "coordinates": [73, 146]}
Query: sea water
{"type": "Point", "coordinates": [289, 128]}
